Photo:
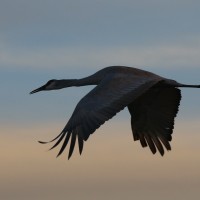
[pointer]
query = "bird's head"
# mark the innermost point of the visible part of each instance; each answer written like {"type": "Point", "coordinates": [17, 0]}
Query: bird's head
{"type": "Point", "coordinates": [50, 85]}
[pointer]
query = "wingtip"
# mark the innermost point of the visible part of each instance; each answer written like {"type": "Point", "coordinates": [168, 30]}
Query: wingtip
{"type": "Point", "coordinates": [162, 154]}
{"type": "Point", "coordinates": [57, 155]}
{"type": "Point", "coordinates": [70, 152]}
{"type": "Point", "coordinates": [153, 152]}
{"type": "Point", "coordinates": [69, 156]}
{"type": "Point", "coordinates": [80, 152]}
{"type": "Point", "coordinates": [41, 142]}
{"type": "Point", "coordinates": [169, 149]}
{"type": "Point", "coordinates": [80, 144]}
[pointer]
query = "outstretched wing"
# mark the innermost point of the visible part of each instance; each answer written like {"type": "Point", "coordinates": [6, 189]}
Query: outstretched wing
{"type": "Point", "coordinates": [101, 104]}
{"type": "Point", "coordinates": [152, 117]}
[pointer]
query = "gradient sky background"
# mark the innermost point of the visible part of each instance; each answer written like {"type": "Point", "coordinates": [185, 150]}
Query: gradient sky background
{"type": "Point", "coordinates": [45, 39]}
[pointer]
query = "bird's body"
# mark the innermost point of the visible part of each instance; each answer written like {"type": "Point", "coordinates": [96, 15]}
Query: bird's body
{"type": "Point", "coordinates": [152, 101]}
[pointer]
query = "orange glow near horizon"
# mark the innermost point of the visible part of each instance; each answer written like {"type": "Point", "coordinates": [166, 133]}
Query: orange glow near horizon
{"type": "Point", "coordinates": [112, 166]}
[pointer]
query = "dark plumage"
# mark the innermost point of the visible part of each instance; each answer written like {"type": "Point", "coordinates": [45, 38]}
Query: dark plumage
{"type": "Point", "coordinates": [152, 101]}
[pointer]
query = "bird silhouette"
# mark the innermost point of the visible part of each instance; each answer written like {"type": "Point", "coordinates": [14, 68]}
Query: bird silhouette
{"type": "Point", "coordinates": [152, 101]}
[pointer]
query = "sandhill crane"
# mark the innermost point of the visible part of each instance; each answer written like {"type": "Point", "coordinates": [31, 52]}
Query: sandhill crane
{"type": "Point", "coordinates": [152, 101]}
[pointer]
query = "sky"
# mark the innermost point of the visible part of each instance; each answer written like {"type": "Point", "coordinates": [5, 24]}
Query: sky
{"type": "Point", "coordinates": [46, 39]}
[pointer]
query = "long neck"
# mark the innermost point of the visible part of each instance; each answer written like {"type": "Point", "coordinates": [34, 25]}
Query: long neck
{"type": "Point", "coordinates": [90, 80]}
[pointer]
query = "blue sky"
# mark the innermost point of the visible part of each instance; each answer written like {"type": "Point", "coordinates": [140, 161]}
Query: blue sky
{"type": "Point", "coordinates": [41, 40]}
{"type": "Point", "coordinates": [82, 33]}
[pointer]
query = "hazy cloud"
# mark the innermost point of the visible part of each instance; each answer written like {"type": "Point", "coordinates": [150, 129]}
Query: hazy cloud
{"type": "Point", "coordinates": [166, 55]}
{"type": "Point", "coordinates": [41, 23]}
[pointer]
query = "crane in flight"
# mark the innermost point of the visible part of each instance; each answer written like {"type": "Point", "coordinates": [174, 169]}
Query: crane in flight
{"type": "Point", "coordinates": [152, 101]}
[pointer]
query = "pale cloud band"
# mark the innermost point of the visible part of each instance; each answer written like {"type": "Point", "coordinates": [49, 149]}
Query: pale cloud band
{"type": "Point", "coordinates": [159, 55]}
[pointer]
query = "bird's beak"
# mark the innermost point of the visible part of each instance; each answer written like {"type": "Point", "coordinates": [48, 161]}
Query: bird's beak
{"type": "Point", "coordinates": [38, 89]}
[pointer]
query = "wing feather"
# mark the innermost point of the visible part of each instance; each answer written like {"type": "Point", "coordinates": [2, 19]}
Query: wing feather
{"type": "Point", "coordinates": [80, 144]}
{"type": "Point", "coordinates": [71, 149]}
{"type": "Point", "coordinates": [150, 143]}
{"type": "Point", "coordinates": [102, 103]}
{"type": "Point", "coordinates": [152, 117]}
{"type": "Point", "coordinates": [67, 136]}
